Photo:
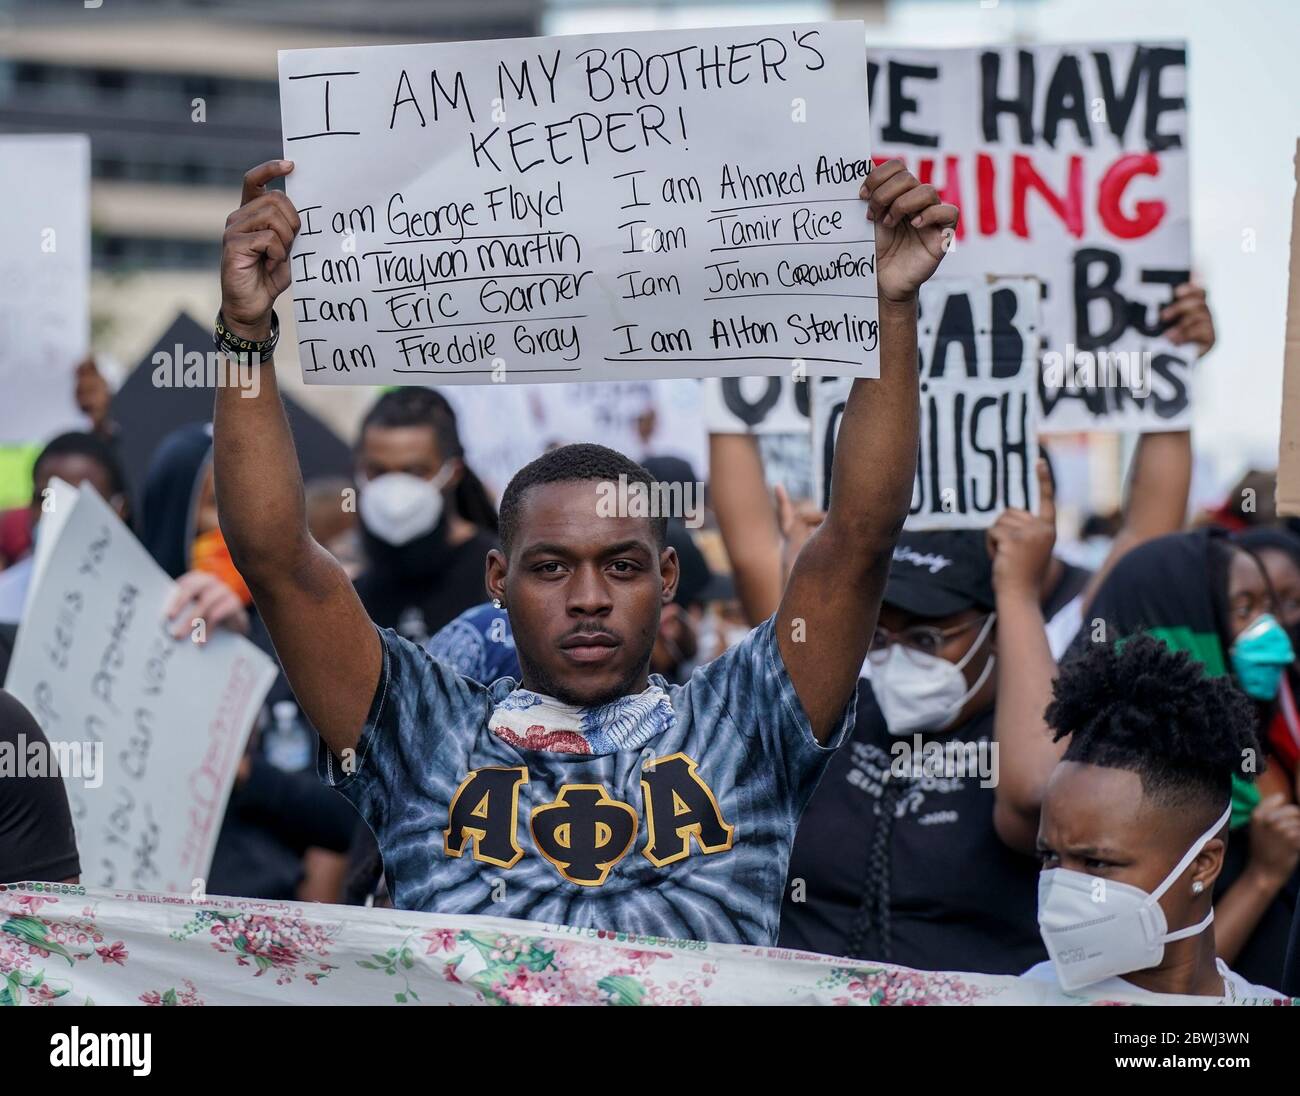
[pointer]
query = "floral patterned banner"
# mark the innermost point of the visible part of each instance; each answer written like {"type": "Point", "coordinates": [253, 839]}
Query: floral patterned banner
{"type": "Point", "coordinates": [62, 944]}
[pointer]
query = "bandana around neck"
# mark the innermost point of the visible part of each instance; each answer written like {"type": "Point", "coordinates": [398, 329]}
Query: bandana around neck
{"type": "Point", "coordinates": [531, 721]}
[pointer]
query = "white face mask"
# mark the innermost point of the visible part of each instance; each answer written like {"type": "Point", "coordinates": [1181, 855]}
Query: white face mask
{"type": "Point", "coordinates": [923, 692]}
{"type": "Point", "coordinates": [1096, 928]}
{"type": "Point", "coordinates": [398, 507]}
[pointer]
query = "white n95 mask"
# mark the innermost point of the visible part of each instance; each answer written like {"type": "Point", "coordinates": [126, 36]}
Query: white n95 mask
{"type": "Point", "coordinates": [917, 691]}
{"type": "Point", "coordinates": [398, 507]}
{"type": "Point", "coordinates": [1095, 928]}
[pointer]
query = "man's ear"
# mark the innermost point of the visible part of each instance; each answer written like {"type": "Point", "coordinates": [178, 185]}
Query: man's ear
{"type": "Point", "coordinates": [495, 576]}
{"type": "Point", "coordinates": [1209, 863]}
{"type": "Point", "coordinates": [671, 572]}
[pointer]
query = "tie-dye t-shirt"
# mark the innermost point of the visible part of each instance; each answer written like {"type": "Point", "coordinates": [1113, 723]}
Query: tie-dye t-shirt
{"type": "Point", "coordinates": [670, 813]}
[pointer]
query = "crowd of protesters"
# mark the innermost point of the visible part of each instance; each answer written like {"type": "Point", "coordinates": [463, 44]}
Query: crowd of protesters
{"type": "Point", "coordinates": [747, 715]}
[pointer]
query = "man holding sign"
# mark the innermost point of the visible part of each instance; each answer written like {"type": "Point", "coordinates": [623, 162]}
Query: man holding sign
{"type": "Point", "coordinates": [591, 793]}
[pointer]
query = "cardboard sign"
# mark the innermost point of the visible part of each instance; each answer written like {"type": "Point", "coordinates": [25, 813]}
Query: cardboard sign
{"type": "Point", "coordinates": [1288, 461]}
{"type": "Point", "coordinates": [1069, 164]}
{"type": "Point", "coordinates": [978, 349]}
{"type": "Point", "coordinates": [613, 206]}
{"type": "Point", "coordinates": [44, 282]}
{"type": "Point", "coordinates": [756, 405]}
{"type": "Point", "coordinates": [148, 729]}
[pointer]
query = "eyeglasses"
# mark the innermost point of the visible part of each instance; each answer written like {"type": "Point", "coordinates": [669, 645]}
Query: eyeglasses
{"type": "Point", "coordinates": [925, 638]}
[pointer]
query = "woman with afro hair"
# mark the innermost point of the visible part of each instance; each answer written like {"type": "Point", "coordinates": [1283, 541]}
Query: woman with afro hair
{"type": "Point", "coordinates": [1134, 825]}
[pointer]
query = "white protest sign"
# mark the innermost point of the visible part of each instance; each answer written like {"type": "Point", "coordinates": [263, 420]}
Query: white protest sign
{"type": "Point", "coordinates": [149, 729]}
{"type": "Point", "coordinates": [638, 418]}
{"type": "Point", "coordinates": [44, 281]}
{"type": "Point", "coordinates": [634, 417]}
{"type": "Point", "coordinates": [496, 454]}
{"type": "Point", "coordinates": [978, 346]}
{"type": "Point", "coordinates": [1070, 164]}
{"type": "Point", "coordinates": [608, 207]}
{"type": "Point", "coordinates": [755, 405]}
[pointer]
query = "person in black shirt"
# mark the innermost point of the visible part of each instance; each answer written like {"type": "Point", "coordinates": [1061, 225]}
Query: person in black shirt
{"type": "Point", "coordinates": [37, 841]}
{"type": "Point", "coordinates": [901, 857]}
{"type": "Point", "coordinates": [427, 522]}
{"type": "Point", "coordinates": [427, 525]}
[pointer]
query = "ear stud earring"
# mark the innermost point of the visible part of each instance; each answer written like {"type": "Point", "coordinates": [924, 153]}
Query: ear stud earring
{"type": "Point", "coordinates": [1197, 887]}
{"type": "Point", "coordinates": [496, 603]}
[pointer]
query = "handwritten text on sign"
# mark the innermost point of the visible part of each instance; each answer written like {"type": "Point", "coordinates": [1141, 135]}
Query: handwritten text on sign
{"type": "Point", "coordinates": [978, 348]}
{"type": "Point", "coordinates": [167, 719]}
{"type": "Point", "coordinates": [616, 206]}
{"type": "Point", "coordinates": [1069, 164]}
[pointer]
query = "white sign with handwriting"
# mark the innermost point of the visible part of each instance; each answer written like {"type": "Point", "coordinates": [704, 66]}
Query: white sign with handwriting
{"type": "Point", "coordinates": [148, 730]}
{"type": "Point", "coordinates": [612, 206]}
{"type": "Point", "coordinates": [978, 346]}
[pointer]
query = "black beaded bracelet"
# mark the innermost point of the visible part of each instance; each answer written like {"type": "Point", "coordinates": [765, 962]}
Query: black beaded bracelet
{"type": "Point", "coordinates": [227, 341]}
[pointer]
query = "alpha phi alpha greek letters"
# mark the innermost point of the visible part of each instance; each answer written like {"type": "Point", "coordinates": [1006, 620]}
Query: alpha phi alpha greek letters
{"type": "Point", "coordinates": [583, 831]}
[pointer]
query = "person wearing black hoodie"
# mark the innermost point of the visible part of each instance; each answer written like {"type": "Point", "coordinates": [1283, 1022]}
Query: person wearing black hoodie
{"type": "Point", "coordinates": [427, 522]}
{"type": "Point", "coordinates": [274, 816]}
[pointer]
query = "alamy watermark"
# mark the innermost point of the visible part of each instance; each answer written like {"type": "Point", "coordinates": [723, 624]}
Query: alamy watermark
{"type": "Point", "coordinates": [82, 761]}
{"type": "Point", "coordinates": [195, 369]}
{"type": "Point", "coordinates": [944, 760]}
{"type": "Point", "coordinates": [635, 499]}
{"type": "Point", "coordinates": [1105, 369]}
{"type": "Point", "coordinates": [103, 1049]}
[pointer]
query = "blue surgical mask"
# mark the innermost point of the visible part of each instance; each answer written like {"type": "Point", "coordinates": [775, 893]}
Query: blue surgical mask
{"type": "Point", "coordinates": [1259, 656]}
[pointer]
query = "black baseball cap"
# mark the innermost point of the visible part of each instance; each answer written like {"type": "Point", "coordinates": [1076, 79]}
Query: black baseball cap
{"type": "Point", "coordinates": [940, 573]}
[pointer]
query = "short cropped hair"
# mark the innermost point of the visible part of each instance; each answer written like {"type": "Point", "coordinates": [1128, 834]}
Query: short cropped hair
{"type": "Point", "coordinates": [572, 464]}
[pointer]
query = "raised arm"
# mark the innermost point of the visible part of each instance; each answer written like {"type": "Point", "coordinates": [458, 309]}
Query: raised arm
{"type": "Point", "coordinates": [1274, 835]}
{"type": "Point", "coordinates": [1159, 482]}
{"type": "Point", "coordinates": [325, 641]}
{"type": "Point", "coordinates": [747, 523]}
{"type": "Point", "coordinates": [828, 612]}
{"type": "Point", "coordinates": [1021, 544]}
{"type": "Point", "coordinates": [1160, 475]}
